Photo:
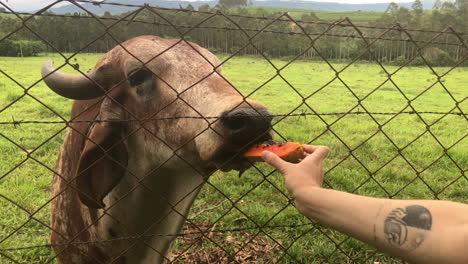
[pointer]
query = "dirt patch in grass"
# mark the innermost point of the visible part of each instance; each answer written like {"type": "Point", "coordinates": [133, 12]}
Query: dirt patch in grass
{"type": "Point", "coordinates": [220, 247]}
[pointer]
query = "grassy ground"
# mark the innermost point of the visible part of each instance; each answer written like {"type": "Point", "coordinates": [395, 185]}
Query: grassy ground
{"type": "Point", "coordinates": [322, 15]}
{"type": "Point", "coordinates": [374, 169]}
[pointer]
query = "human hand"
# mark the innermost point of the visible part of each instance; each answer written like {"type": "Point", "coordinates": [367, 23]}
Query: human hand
{"type": "Point", "coordinates": [305, 174]}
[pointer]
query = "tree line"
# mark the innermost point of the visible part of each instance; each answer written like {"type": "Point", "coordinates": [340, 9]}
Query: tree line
{"type": "Point", "coordinates": [253, 33]}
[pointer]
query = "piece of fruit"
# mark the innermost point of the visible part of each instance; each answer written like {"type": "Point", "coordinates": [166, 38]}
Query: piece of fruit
{"type": "Point", "coordinates": [288, 151]}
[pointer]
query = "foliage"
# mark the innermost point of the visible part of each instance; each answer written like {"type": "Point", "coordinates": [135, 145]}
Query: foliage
{"type": "Point", "coordinates": [436, 56]}
{"type": "Point", "coordinates": [418, 61]}
{"type": "Point", "coordinates": [448, 13]}
{"type": "Point", "coordinates": [283, 38]}
{"type": "Point", "coordinates": [21, 48]}
{"type": "Point", "coordinates": [7, 48]}
{"type": "Point", "coordinates": [444, 59]}
{"type": "Point", "coordinates": [231, 3]}
{"type": "Point", "coordinates": [400, 60]}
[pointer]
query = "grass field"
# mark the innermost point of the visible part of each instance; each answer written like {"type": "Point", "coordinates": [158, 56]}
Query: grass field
{"type": "Point", "coordinates": [359, 16]}
{"type": "Point", "coordinates": [24, 180]}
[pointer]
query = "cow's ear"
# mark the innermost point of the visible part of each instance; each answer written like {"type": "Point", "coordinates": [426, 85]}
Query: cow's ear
{"type": "Point", "coordinates": [104, 158]}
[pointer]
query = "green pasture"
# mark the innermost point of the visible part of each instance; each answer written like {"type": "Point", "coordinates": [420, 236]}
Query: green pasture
{"type": "Point", "coordinates": [374, 155]}
{"type": "Point", "coordinates": [296, 13]}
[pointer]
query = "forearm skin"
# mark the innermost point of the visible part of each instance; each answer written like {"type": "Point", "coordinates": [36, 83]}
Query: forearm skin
{"type": "Point", "coordinates": [419, 231]}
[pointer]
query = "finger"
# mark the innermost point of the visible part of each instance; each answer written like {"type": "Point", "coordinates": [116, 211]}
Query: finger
{"type": "Point", "coordinates": [310, 148]}
{"type": "Point", "coordinates": [304, 155]}
{"type": "Point", "coordinates": [274, 161]}
{"type": "Point", "coordinates": [320, 153]}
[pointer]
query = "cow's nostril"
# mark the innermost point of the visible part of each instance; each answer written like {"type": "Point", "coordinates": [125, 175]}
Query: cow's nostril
{"type": "Point", "coordinates": [246, 125]}
{"type": "Point", "coordinates": [235, 122]}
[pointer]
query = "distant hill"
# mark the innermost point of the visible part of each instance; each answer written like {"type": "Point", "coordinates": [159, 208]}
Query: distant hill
{"type": "Point", "coordinates": [329, 6]}
{"type": "Point", "coordinates": [324, 6]}
{"type": "Point", "coordinates": [100, 9]}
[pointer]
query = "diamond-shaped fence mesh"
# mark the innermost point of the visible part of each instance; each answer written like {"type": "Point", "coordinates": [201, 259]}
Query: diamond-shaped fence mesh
{"type": "Point", "coordinates": [135, 162]}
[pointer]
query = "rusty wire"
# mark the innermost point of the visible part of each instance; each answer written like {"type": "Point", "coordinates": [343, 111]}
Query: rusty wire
{"type": "Point", "coordinates": [297, 115]}
{"type": "Point", "coordinates": [263, 228]}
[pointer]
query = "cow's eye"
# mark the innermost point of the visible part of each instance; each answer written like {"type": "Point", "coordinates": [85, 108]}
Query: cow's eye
{"type": "Point", "coordinates": [139, 76]}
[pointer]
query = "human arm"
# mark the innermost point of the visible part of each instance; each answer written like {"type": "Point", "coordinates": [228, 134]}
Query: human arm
{"type": "Point", "coordinates": [419, 231]}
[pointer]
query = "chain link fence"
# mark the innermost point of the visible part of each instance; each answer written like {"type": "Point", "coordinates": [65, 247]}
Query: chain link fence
{"type": "Point", "coordinates": [389, 101]}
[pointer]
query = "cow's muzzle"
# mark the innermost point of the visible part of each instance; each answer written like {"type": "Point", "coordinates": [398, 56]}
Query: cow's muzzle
{"type": "Point", "coordinates": [245, 126]}
{"type": "Point", "coordinates": [242, 127]}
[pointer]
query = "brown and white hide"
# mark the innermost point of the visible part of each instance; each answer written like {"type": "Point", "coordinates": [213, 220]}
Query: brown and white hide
{"type": "Point", "coordinates": [122, 186]}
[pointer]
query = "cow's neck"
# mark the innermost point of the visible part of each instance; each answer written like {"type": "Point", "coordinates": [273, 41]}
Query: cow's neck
{"type": "Point", "coordinates": [154, 206]}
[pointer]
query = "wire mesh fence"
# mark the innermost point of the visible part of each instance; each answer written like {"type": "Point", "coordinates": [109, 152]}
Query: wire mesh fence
{"type": "Point", "coordinates": [136, 178]}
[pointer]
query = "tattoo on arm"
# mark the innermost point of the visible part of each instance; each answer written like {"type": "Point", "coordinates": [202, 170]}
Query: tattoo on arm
{"type": "Point", "coordinates": [377, 217]}
{"type": "Point", "coordinates": [406, 228]}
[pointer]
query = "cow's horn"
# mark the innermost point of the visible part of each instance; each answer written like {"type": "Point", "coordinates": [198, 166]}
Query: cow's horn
{"type": "Point", "coordinates": [73, 86]}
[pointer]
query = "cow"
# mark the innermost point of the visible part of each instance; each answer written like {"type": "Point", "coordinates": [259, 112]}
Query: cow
{"type": "Point", "coordinates": [131, 165]}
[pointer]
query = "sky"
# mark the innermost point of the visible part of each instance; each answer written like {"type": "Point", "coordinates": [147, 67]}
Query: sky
{"type": "Point", "coordinates": [27, 5]}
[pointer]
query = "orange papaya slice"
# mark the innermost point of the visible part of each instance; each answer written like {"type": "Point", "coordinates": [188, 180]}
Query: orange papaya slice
{"type": "Point", "coordinates": [288, 151]}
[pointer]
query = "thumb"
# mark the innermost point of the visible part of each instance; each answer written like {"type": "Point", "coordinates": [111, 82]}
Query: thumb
{"type": "Point", "coordinates": [274, 161]}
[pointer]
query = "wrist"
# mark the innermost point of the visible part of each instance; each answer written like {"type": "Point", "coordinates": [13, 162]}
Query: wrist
{"type": "Point", "coordinates": [303, 191]}
{"type": "Point", "coordinates": [304, 198]}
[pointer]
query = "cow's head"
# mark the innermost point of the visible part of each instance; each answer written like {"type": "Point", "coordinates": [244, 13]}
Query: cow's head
{"type": "Point", "coordinates": [155, 81]}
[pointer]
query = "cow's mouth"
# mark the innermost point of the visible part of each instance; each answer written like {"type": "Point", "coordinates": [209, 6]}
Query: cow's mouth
{"type": "Point", "coordinates": [241, 128]}
{"type": "Point", "coordinates": [229, 157]}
